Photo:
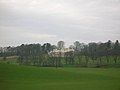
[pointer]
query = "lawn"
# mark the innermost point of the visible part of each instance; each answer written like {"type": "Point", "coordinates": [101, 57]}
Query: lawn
{"type": "Point", "coordinates": [15, 77]}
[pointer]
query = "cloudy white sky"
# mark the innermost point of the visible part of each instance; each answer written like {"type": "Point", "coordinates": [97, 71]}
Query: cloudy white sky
{"type": "Point", "coordinates": [40, 21]}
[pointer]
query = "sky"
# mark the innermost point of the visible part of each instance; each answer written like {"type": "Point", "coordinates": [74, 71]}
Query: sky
{"type": "Point", "coordinates": [42, 21]}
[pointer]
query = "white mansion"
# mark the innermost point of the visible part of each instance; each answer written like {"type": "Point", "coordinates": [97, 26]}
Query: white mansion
{"type": "Point", "coordinates": [60, 53]}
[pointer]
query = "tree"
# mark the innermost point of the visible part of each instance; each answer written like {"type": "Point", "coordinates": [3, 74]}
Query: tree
{"type": "Point", "coordinates": [116, 50]}
{"type": "Point", "coordinates": [71, 47]}
{"type": "Point", "coordinates": [77, 46]}
{"type": "Point", "coordinates": [108, 49]}
{"type": "Point", "coordinates": [92, 50]}
{"type": "Point", "coordinates": [60, 45]}
{"type": "Point", "coordinates": [46, 47]}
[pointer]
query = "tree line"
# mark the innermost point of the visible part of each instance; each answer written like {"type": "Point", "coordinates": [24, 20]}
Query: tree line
{"type": "Point", "coordinates": [96, 54]}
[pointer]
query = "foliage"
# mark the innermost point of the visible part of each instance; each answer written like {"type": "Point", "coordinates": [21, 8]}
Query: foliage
{"type": "Point", "coordinates": [83, 55]}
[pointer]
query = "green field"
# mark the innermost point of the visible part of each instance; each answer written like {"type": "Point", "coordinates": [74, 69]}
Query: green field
{"type": "Point", "coordinates": [15, 77]}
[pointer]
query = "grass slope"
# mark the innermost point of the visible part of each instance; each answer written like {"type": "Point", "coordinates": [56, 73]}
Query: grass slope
{"type": "Point", "coordinates": [13, 77]}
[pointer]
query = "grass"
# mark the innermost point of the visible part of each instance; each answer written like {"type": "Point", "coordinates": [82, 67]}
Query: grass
{"type": "Point", "coordinates": [15, 77]}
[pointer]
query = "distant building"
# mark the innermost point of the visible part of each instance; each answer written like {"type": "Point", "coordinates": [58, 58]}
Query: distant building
{"type": "Point", "coordinates": [60, 53]}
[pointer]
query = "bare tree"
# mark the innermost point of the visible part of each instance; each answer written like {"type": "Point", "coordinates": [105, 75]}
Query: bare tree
{"type": "Point", "coordinates": [60, 45]}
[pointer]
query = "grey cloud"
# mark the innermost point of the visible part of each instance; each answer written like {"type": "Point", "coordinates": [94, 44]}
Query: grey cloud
{"type": "Point", "coordinates": [69, 20]}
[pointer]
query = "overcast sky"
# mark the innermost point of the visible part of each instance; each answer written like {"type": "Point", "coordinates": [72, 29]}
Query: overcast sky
{"type": "Point", "coordinates": [40, 21]}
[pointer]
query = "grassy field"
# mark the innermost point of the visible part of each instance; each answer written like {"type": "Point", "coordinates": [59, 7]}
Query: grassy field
{"type": "Point", "coordinates": [15, 77]}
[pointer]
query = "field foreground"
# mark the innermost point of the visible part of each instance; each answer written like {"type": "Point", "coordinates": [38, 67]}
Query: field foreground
{"type": "Point", "coordinates": [14, 77]}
